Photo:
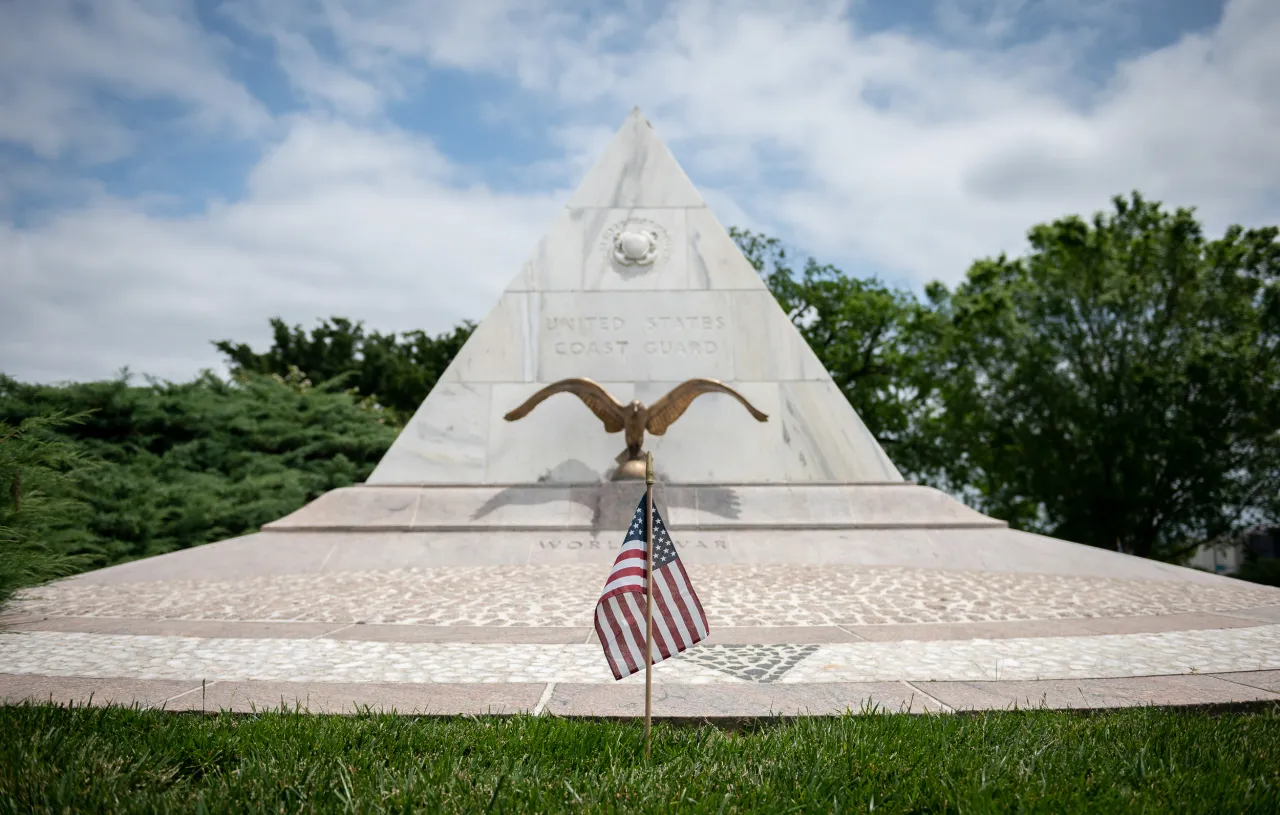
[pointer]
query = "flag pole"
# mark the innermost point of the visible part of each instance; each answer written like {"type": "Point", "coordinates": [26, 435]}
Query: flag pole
{"type": "Point", "coordinates": [648, 602]}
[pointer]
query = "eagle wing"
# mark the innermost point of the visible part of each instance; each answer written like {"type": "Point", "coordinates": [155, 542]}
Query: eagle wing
{"type": "Point", "coordinates": [666, 410]}
{"type": "Point", "coordinates": [604, 406]}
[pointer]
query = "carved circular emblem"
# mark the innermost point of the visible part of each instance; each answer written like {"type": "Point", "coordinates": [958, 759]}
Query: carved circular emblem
{"type": "Point", "coordinates": [636, 243]}
{"type": "Point", "coordinates": [639, 248]}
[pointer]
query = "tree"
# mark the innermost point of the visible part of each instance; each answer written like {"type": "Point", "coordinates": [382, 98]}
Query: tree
{"type": "Point", "coordinates": [177, 465]}
{"type": "Point", "coordinates": [878, 343]}
{"type": "Point", "coordinates": [1120, 385]}
{"type": "Point", "coordinates": [35, 465]}
{"type": "Point", "coordinates": [398, 372]}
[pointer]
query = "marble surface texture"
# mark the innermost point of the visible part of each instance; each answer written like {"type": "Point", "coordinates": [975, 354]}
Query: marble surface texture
{"type": "Point", "coordinates": [695, 309]}
{"type": "Point", "coordinates": [636, 170]}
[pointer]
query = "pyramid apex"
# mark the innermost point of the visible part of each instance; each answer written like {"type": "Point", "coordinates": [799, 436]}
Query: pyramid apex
{"type": "Point", "coordinates": [636, 171]}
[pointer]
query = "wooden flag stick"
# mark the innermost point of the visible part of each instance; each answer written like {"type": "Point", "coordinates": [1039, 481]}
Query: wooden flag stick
{"type": "Point", "coordinates": [648, 602]}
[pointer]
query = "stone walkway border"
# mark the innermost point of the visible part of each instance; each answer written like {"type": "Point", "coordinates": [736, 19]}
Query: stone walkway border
{"type": "Point", "coordinates": [321, 660]}
{"type": "Point", "coordinates": [670, 701]}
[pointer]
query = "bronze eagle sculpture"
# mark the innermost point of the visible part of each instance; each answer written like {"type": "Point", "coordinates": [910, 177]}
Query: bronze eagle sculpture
{"type": "Point", "coordinates": [636, 417]}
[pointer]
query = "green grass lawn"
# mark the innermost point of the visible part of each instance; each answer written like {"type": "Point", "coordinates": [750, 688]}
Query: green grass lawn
{"type": "Point", "coordinates": [53, 759]}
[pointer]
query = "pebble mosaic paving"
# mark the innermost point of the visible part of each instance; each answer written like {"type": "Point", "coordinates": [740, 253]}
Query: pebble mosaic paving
{"type": "Point", "coordinates": [564, 595]}
{"type": "Point", "coordinates": [335, 660]}
{"type": "Point", "coordinates": [751, 663]}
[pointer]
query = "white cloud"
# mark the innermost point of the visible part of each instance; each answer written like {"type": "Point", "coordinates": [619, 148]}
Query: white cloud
{"type": "Point", "coordinates": [915, 157]}
{"type": "Point", "coordinates": [337, 221]}
{"type": "Point", "coordinates": [989, 21]}
{"type": "Point", "coordinates": [321, 81]}
{"type": "Point", "coordinates": [58, 57]}
{"type": "Point", "coordinates": [873, 150]}
{"type": "Point", "coordinates": [382, 48]}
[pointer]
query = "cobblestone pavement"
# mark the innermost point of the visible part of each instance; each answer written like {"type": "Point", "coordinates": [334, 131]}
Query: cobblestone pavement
{"type": "Point", "coordinates": [323, 660]}
{"type": "Point", "coordinates": [733, 595]}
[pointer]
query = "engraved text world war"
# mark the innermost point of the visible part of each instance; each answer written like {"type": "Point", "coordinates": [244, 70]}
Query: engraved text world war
{"type": "Point", "coordinates": [596, 543]}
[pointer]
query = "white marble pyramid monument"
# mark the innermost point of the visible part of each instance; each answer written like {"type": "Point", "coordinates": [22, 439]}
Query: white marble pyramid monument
{"type": "Point", "coordinates": [639, 287]}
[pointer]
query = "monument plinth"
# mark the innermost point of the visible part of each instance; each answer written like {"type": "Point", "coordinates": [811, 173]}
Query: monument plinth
{"type": "Point", "coordinates": [462, 577]}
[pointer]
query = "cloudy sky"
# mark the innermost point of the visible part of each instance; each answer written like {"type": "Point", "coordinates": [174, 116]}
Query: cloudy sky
{"type": "Point", "coordinates": [175, 172]}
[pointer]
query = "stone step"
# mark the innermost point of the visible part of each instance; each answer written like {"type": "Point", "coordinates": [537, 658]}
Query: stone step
{"type": "Point", "coordinates": [610, 507]}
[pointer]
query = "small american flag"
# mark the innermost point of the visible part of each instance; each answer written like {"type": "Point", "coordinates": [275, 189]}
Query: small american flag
{"type": "Point", "coordinates": [678, 619]}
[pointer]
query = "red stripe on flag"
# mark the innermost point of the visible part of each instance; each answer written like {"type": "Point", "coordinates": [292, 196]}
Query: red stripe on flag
{"type": "Point", "coordinates": [619, 637]}
{"type": "Point", "coordinates": [660, 650]}
{"type": "Point", "coordinates": [662, 612]}
{"type": "Point", "coordinates": [662, 585]}
{"type": "Point", "coordinates": [604, 643]}
{"type": "Point", "coordinates": [681, 605]}
{"type": "Point", "coordinates": [637, 627]}
{"type": "Point", "coordinates": [621, 590]}
{"type": "Point", "coordinates": [702, 615]}
{"type": "Point", "coordinates": [618, 605]}
{"type": "Point", "coordinates": [636, 608]}
{"type": "Point", "coordinates": [630, 571]}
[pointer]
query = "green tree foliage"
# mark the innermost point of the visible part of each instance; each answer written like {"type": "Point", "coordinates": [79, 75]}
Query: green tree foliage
{"type": "Point", "coordinates": [1259, 570]}
{"type": "Point", "coordinates": [1119, 385]}
{"type": "Point", "coordinates": [178, 465]}
{"type": "Point", "coordinates": [878, 343]}
{"type": "Point", "coordinates": [397, 371]}
{"type": "Point", "coordinates": [35, 467]}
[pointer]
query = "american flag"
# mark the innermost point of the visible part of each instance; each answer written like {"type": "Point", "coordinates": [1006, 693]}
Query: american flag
{"type": "Point", "coordinates": [678, 619]}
